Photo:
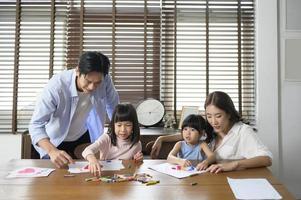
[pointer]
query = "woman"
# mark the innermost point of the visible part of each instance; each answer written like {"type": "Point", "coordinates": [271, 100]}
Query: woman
{"type": "Point", "coordinates": [236, 145]}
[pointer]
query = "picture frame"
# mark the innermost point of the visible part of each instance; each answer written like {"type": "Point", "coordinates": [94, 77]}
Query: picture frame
{"type": "Point", "coordinates": [187, 110]}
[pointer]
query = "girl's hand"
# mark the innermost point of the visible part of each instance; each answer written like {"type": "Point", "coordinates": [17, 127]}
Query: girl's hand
{"type": "Point", "coordinates": [223, 167]}
{"type": "Point", "coordinates": [202, 165]}
{"type": "Point", "coordinates": [138, 157]}
{"type": "Point", "coordinates": [94, 165]}
{"type": "Point", "coordinates": [185, 163]}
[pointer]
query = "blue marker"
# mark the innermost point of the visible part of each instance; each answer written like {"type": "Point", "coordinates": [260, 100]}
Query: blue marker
{"type": "Point", "coordinates": [190, 168]}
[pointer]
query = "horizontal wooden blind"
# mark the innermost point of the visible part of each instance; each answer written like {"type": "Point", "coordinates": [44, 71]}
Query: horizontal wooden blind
{"type": "Point", "coordinates": [7, 49]}
{"type": "Point", "coordinates": [35, 51]}
{"type": "Point", "coordinates": [208, 46]}
{"type": "Point", "coordinates": [172, 50]}
{"type": "Point", "coordinates": [128, 32]}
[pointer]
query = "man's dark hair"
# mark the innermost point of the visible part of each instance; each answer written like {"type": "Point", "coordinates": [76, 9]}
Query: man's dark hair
{"type": "Point", "coordinates": [93, 61]}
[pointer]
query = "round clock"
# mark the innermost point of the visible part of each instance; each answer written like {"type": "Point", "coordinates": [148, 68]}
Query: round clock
{"type": "Point", "coordinates": [150, 112]}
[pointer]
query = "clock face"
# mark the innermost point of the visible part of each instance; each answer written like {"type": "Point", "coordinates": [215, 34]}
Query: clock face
{"type": "Point", "coordinates": [150, 112]}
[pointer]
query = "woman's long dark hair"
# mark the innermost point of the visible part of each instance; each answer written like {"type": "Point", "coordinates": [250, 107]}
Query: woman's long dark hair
{"type": "Point", "coordinates": [222, 101]}
{"type": "Point", "coordinates": [200, 124]}
{"type": "Point", "coordinates": [125, 112]}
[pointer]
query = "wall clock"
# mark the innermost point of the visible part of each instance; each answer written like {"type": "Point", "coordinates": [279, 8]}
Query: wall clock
{"type": "Point", "coordinates": [150, 112]}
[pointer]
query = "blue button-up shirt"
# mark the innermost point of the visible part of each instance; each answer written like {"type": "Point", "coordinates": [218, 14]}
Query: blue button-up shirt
{"type": "Point", "coordinates": [56, 106]}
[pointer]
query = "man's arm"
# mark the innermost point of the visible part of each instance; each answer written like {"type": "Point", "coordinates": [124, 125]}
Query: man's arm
{"type": "Point", "coordinates": [112, 97]}
{"type": "Point", "coordinates": [58, 157]}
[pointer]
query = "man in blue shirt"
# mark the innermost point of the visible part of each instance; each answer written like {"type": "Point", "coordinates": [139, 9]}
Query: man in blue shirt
{"type": "Point", "coordinates": [72, 109]}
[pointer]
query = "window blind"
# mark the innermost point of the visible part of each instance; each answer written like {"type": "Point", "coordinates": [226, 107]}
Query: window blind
{"type": "Point", "coordinates": [172, 50]}
{"type": "Point", "coordinates": [128, 32]}
{"type": "Point", "coordinates": [208, 46]}
{"type": "Point", "coordinates": [7, 49]}
{"type": "Point", "coordinates": [33, 34]}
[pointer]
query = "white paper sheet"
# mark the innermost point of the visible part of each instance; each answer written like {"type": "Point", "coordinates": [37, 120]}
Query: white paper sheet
{"type": "Point", "coordinates": [109, 165]}
{"type": "Point", "coordinates": [30, 172]}
{"type": "Point", "coordinates": [171, 170]}
{"type": "Point", "coordinates": [253, 189]}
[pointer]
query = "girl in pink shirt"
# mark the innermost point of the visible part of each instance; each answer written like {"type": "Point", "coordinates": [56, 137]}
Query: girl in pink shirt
{"type": "Point", "coordinates": [121, 142]}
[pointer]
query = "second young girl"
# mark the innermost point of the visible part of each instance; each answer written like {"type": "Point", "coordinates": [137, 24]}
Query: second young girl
{"type": "Point", "coordinates": [121, 142]}
{"type": "Point", "coordinates": [192, 148]}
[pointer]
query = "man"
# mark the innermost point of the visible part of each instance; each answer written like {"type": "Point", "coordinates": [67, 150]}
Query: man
{"type": "Point", "coordinates": [72, 109]}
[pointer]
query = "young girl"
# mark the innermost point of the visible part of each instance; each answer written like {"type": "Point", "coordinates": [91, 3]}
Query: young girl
{"type": "Point", "coordinates": [121, 141]}
{"type": "Point", "coordinates": [192, 148]}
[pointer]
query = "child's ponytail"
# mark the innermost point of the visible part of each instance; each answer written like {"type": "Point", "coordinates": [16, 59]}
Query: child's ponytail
{"type": "Point", "coordinates": [209, 132]}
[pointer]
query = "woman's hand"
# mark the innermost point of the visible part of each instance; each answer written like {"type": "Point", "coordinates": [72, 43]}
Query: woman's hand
{"type": "Point", "coordinates": [94, 165]}
{"type": "Point", "coordinates": [138, 157]}
{"type": "Point", "coordinates": [156, 148]}
{"type": "Point", "coordinates": [223, 167]}
{"type": "Point", "coordinates": [202, 165]}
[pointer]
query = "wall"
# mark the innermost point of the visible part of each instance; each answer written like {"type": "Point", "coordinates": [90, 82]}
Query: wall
{"type": "Point", "coordinates": [278, 99]}
{"type": "Point", "coordinates": [10, 147]}
{"type": "Point", "coordinates": [267, 77]}
{"type": "Point", "coordinates": [290, 90]}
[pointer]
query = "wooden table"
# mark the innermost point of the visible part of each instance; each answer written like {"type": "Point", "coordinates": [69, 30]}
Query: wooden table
{"type": "Point", "coordinates": [56, 186]}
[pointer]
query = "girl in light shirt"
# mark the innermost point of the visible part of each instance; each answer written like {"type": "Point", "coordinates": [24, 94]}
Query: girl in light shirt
{"type": "Point", "coordinates": [194, 147]}
{"type": "Point", "coordinates": [236, 145]}
{"type": "Point", "coordinates": [121, 142]}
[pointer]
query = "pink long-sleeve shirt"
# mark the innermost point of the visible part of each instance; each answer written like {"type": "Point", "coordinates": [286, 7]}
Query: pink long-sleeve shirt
{"type": "Point", "coordinates": [107, 151]}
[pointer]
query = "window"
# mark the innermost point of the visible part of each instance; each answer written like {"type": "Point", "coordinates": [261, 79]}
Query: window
{"type": "Point", "coordinates": [32, 35]}
{"type": "Point", "coordinates": [172, 50]}
{"type": "Point", "coordinates": [207, 46]}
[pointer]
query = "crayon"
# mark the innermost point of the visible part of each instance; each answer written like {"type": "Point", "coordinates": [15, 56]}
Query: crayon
{"type": "Point", "coordinates": [152, 183]}
{"type": "Point", "coordinates": [69, 175]}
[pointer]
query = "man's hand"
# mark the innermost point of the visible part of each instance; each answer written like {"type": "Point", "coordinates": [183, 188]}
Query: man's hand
{"type": "Point", "coordinates": [60, 158]}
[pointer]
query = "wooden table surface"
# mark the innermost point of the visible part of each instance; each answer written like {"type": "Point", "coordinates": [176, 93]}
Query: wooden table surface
{"type": "Point", "coordinates": [56, 186]}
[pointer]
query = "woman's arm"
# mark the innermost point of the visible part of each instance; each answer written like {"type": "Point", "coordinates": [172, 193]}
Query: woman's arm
{"type": "Point", "coordinates": [172, 156]}
{"type": "Point", "coordinates": [258, 161]}
{"type": "Point", "coordinates": [158, 143]}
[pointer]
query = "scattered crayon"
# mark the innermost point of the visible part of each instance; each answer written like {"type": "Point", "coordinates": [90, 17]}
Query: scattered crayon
{"type": "Point", "coordinates": [92, 179]}
{"type": "Point", "coordinates": [194, 183]}
{"type": "Point", "coordinates": [152, 183]}
{"type": "Point", "coordinates": [69, 175]}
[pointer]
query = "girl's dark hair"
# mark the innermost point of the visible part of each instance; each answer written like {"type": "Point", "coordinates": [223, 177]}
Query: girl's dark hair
{"type": "Point", "coordinates": [125, 112]}
{"type": "Point", "coordinates": [92, 61]}
{"type": "Point", "coordinates": [222, 101]}
{"type": "Point", "coordinates": [199, 123]}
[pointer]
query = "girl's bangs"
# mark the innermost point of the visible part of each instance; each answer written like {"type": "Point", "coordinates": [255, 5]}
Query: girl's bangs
{"type": "Point", "coordinates": [123, 117]}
